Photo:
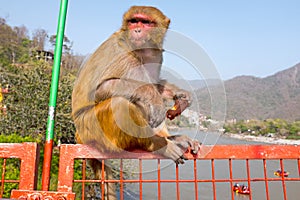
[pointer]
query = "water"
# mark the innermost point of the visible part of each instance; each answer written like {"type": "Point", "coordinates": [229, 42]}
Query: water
{"type": "Point", "coordinates": [205, 192]}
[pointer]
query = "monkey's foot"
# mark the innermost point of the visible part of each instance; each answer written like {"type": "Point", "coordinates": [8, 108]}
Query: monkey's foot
{"type": "Point", "coordinates": [184, 144]}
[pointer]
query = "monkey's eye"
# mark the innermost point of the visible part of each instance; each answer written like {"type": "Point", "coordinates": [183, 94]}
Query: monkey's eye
{"type": "Point", "coordinates": [146, 21]}
{"type": "Point", "coordinates": [143, 21]}
{"type": "Point", "coordinates": [133, 21]}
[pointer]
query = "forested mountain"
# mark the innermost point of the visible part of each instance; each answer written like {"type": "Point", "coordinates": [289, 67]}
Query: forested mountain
{"type": "Point", "coordinates": [25, 76]}
{"type": "Point", "coordinates": [18, 46]}
{"type": "Point", "coordinates": [249, 97]}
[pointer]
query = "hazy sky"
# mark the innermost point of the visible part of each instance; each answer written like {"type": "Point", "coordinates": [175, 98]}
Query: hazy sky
{"type": "Point", "coordinates": [258, 37]}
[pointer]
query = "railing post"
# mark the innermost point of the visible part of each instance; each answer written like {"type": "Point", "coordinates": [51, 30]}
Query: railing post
{"type": "Point", "coordinates": [53, 95]}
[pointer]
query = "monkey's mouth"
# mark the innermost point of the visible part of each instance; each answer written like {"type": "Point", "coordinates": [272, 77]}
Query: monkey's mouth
{"type": "Point", "coordinates": [138, 41]}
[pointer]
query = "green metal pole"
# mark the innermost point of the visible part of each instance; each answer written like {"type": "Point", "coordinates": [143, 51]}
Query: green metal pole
{"type": "Point", "coordinates": [53, 95]}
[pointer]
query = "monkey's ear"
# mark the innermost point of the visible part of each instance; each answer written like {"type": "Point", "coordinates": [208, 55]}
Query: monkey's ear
{"type": "Point", "coordinates": [167, 21]}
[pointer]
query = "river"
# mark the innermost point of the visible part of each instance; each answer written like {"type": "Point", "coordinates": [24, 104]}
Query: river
{"type": "Point", "coordinates": [187, 190]}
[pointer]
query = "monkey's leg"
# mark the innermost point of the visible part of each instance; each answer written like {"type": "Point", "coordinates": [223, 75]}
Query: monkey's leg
{"type": "Point", "coordinates": [96, 165]}
{"type": "Point", "coordinates": [83, 136]}
{"type": "Point", "coordinates": [126, 128]}
{"type": "Point", "coordinates": [116, 125]}
{"type": "Point", "coordinates": [109, 188]}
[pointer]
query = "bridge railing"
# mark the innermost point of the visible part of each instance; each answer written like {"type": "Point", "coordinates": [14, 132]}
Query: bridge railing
{"type": "Point", "coordinates": [239, 163]}
{"type": "Point", "coordinates": [224, 155]}
{"type": "Point", "coordinates": [25, 158]}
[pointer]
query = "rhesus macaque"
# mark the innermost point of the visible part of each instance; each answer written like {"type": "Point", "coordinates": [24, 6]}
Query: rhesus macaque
{"type": "Point", "coordinates": [118, 98]}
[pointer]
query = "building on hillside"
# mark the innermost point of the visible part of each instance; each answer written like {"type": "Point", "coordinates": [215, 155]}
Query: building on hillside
{"type": "Point", "coordinates": [44, 55]}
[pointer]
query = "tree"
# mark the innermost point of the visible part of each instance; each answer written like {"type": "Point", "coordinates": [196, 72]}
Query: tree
{"type": "Point", "coordinates": [21, 31]}
{"type": "Point", "coordinates": [8, 43]}
{"type": "Point", "coordinates": [27, 104]}
{"type": "Point", "coordinates": [67, 44]}
{"type": "Point", "coordinates": [23, 49]}
{"type": "Point", "coordinates": [14, 43]}
{"type": "Point", "coordinates": [39, 37]}
{"type": "Point", "coordinates": [69, 61]}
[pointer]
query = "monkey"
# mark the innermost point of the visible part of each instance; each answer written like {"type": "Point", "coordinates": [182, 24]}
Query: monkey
{"type": "Point", "coordinates": [118, 98]}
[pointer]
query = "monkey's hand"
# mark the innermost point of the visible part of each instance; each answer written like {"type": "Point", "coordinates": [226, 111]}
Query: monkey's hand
{"type": "Point", "coordinates": [183, 96]}
{"type": "Point", "coordinates": [179, 144]}
{"type": "Point", "coordinates": [182, 101]}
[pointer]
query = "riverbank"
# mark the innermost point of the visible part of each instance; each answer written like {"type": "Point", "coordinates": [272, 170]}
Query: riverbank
{"type": "Point", "coordinates": [271, 140]}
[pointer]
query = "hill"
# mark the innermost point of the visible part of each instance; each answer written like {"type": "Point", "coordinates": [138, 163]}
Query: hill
{"type": "Point", "coordinates": [249, 97]}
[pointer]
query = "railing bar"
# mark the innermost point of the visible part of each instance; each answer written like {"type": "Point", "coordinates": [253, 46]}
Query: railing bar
{"type": "Point", "coordinates": [195, 178]}
{"type": "Point", "coordinates": [248, 178]}
{"type": "Point", "coordinates": [141, 178]}
{"type": "Point", "coordinates": [121, 180]}
{"type": "Point", "coordinates": [180, 181]}
{"type": "Point", "coordinates": [213, 178]}
{"type": "Point", "coordinates": [102, 179]}
{"type": "Point", "coordinates": [177, 182]}
{"type": "Point", "coordinates": [299, 167]}
{"type": "Point", "coordinates": [83, 178]}
{"type": "Point", "coordinates": [230, 178]}
{"type": "Point", "coordinates": [282, 178]}
{"type": "Point", "coordinates": [266, 179]}
{"type": "Point", "coordinates": [158, 180]}
{"type": "Point", "coordinates": [3, 176]}
{"type": "Point", "coordinates": [11, 181]}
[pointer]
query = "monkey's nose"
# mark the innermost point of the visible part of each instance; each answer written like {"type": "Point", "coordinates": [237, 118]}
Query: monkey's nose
{"type": "Point", "coordinates": [138, 30]}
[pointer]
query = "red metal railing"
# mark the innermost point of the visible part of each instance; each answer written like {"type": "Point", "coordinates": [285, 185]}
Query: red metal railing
{"type": "Point", "coordinates": [209, 175]}
{"type": "Point", "coordinates": [25, 155]}
{"type": "Point", "coordinates": [226, 154]}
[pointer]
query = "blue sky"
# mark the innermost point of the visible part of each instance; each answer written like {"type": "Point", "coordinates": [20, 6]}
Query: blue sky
{"type": "Point", "coordinates": [258, 37]}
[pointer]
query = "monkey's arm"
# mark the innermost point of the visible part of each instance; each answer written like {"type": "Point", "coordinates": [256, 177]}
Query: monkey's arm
{"type": "Point", "coordinates": [145, 95]}
{"type": "Point", "coordinates": [127, 88]}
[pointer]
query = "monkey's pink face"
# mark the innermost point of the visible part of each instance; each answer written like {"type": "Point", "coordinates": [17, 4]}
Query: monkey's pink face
{"type": "Point", "coordinates": [140, 27]}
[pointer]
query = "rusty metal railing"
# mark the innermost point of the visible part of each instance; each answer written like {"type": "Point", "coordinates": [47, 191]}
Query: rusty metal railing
{"type": "Point", "coordinates": [209, 175]}
{"type": "Point", "coordinates": [228, 155]}
{"type": "Point", "coordinates": [25, 158]}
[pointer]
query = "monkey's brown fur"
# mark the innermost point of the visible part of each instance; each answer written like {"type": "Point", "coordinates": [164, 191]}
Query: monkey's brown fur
{"type": "Point", "coordinates": [118, 98]}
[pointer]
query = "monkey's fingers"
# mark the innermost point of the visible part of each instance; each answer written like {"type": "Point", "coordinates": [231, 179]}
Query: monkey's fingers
{"type": "Point", "coordinates": [183, 96]}
{"type": "Point", "coordinates": [187, 144]}
{"type": "Point", "coordinates": [183, 104]}
{"type": "Point", "coordinates": [181, 160]}
{"type": "Point", "coordinates": [175, 149]}
{"type": "Point", "coordinates": [195, 147]}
